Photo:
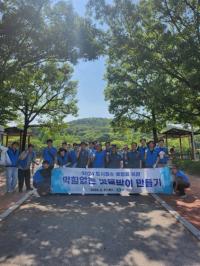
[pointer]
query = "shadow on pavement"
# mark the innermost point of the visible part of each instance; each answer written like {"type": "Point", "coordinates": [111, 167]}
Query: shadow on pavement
{"type": "Point", "coordinates": [95, 230]}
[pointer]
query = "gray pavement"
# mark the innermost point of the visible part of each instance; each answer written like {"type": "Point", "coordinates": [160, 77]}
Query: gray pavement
{"type": "Point", "coordinates": [95, 230]}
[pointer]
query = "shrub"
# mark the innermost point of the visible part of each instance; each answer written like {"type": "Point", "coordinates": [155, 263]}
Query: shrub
{"type": "Point", "coordinates": [192, 167]}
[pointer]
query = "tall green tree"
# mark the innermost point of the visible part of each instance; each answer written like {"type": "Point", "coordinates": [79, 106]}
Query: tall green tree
{"type": "Point", "coordinates": [135, 96]}
{"type": "Point", "coordinates": [43, 94]}
{"type": "Point", "coordinates": [162, 36]}
{"type": "Point", "coordinates": [33, 32]}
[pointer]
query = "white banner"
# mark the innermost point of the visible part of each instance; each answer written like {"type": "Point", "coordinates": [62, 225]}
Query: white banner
{"type": "Point", "coordinates": [111, 181]}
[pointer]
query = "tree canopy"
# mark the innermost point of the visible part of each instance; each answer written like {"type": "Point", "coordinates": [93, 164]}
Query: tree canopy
{"type": "Point", "coordinates": [153, 50]}
{"type": "Point", "coordinates": [43, 94]}
{"type": "Point", "coordinates": [35, 32]}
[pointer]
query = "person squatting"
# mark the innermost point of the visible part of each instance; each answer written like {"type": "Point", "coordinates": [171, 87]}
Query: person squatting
{"type": "Point", "coordinates": [84, 155]}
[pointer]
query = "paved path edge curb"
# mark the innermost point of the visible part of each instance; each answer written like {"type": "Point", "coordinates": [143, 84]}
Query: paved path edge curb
{"type": "Point", "coordinates": [11, 209]}
{"type": "Point", "coordinates": [178, 217]}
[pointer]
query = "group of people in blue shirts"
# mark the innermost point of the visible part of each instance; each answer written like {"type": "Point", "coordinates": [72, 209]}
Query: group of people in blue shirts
{"type": "Point", "coordinates": [92, 155]}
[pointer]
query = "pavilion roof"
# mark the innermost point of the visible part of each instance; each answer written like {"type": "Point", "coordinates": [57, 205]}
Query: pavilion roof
{"type": "Point", "coordinates": [14, 131]}
{"type": "Point", "coordinates": [175, 132]}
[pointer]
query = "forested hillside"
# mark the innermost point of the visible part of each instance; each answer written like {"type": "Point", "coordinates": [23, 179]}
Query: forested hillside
{"type": "Point", "coordinates": [87, 129]}
{"type": "Point", "coordinates": [91, 129]}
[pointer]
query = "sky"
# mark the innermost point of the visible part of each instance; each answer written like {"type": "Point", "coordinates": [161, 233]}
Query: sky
{"type": "Point", "coordinates": [90, 75]}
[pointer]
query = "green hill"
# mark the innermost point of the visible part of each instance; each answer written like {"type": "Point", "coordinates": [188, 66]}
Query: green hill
{"type": "Point", "coordinates": [90, 129]}
{"type": "Point", "coordinates": [87, 129]}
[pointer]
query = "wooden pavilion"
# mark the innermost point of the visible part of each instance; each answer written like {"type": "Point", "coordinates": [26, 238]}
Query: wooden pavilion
{"type": "Point", "coordinates": [14, 132]}
{"type": "Point", "coordinates": [180, 133]}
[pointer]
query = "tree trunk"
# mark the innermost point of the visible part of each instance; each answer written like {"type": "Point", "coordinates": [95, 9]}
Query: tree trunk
{"type": "Point", "coordinates": [25, 128]}
{"type": "Point", "coordinates": [24, 136]}
{"type": "Point", "coordinates": [154, 127]}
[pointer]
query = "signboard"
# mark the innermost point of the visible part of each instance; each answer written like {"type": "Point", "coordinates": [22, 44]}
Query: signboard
{"type": "Point", "coordinates": [111, 181]}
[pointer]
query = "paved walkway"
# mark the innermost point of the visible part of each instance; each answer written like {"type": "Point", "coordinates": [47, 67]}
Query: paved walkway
{"type": "Point", "coordinates": [7, 199]}
{"type": "Point", "coordinates": [95, 231]}
{"type": "Point", "coordinates": [189, 208]}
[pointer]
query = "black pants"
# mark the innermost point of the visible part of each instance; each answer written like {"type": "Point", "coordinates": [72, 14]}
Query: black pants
{"type": "Point", "coordinates": [181, 187]}
{"type": "Point", "coordinates": [24, 175]}
{"type": "Point", "coordinates": [43, 188]}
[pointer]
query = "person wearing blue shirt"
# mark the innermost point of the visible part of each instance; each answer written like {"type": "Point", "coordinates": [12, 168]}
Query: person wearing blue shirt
{"type": "Point", "coordinates": [133, 157]}
{"type": "Point", "coordinates": [65, 146]}
{"type": "Point", "coordinates": [125, 157]}
{"type": "Point", "coordinates": [83, 156]}
{"type": "Point", "coordinates": [92, 151]}
{"type": "Point", "coordinates": [114, 159]}
{"type": "Point", "coordinates": [162, 152]}
{"type": "Point", "coordinates": [12, 167]}
{"type": "Point", "coordinates": [181, 181]}
{"type": "Point", "coordinates": [107, 151]}
{"type": "Point", "coordinates": [142, 148]}
{"type": "Point", "coordinates": [98, 161]}
{"type": "Point", "coordinates": [63, 159]}
{"type": "Point", "coordinates": [42, 179]}
{"type": "Point", "coordinates": [151, 155]}
{"type": "Point", "coordinates": [26, 158]}
{"type": "Point", "coordinates": [73, 155]}
{"type": "Point", "coordinates": [49, 153]}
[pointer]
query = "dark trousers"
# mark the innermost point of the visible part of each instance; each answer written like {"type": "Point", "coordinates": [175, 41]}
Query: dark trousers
{"type": "Point", "coordinates": [43, 188]}
{"type": "Point", "coordinates": [181, 187]}
{"type": "Point", "coordinates": [24, 175]}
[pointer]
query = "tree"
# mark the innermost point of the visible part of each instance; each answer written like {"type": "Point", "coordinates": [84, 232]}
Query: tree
{"type": "Point", "coordinates": [135, 96]}
{"type": "Point", "coordinates": [33, 32]}
{"type": "Point", "coordinates": [42, 94]}
{"type": "Point", "coordinates": [163, 37]}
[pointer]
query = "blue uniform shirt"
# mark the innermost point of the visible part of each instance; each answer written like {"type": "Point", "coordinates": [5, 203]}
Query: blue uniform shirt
{"type": "Point", "coordinates": [73, 157]}
{"type": "Point", "coordinates": [164, 159]}
{"type": "Point", "coordinates": [142, 150]}
{"type": "Point", "coordinates": [26, 162]}
{"type": "Point", "coordinates": [37, 177]}
{"type": "Point", "coordinates": [114, 160]}
{"type": "Point", "coordinates": [13, 156]}
{"type": "Point", "coordinates": [151, 158]}
{"type": "Point", "coordinates": [42, 175]}
{"type": "Point", "coordinates": [49, 155]}
{"type": "Point", "coordinates": [183, 176]}
{"type": "Point", "coordinates": [63, 160]}
{"type": "Point", "coordinates": [99, 159]}
{"type": "Point", "coordinates": [82, 161]}
{"type": "Point", "coordinates": [133, 159]}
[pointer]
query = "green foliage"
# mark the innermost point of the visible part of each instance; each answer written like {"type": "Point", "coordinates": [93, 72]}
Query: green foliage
{"type": "Point", "coordinates": [44, 93]}
{"type": "Point", "coordinates": [34, 32]}
{"type": "Point", "coordinates": [87, 129]}
{"type": "Point", "coordinates": [192, 167]}
{"type": "Point", "coordinates": [154, 57]}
